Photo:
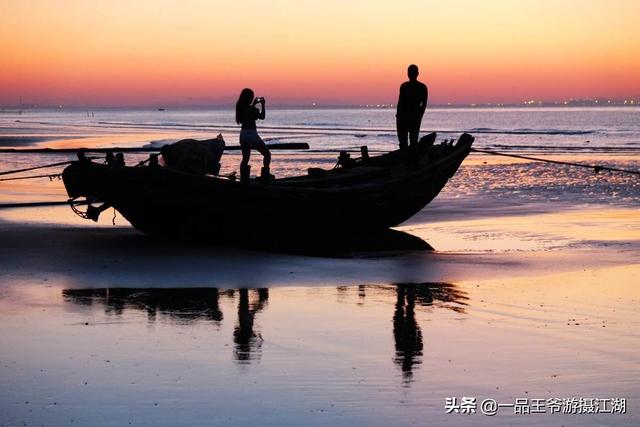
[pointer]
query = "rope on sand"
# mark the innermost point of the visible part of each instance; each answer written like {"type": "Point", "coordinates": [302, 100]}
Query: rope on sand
{"type": "Point", "coordinates": [596, 168]}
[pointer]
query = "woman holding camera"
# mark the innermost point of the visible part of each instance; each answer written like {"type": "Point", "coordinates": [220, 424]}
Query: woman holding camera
{"type": "Point", "coordinates": [246, 115]}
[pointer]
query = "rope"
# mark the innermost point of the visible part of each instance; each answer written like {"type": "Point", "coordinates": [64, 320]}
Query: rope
{"type": "Point", "coordinates": [51, 177]}
{"type": "Point", "coordinates": [37, 167]}
{"type": "Point", "coordinates": [30, 204]}
{"type": "Point", "coordinates": [596, 168]}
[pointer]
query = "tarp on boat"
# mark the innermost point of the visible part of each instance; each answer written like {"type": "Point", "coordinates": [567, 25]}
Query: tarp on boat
{"type": "Point", "coordinates": [194, 156]}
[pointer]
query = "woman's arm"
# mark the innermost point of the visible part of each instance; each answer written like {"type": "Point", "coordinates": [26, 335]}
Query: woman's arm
{"type": "Point", "coordinates": [263, 113]}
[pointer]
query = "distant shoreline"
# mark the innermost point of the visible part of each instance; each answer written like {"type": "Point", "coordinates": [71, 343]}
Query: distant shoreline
{"type": "Point", "coordinates": [12, 110]}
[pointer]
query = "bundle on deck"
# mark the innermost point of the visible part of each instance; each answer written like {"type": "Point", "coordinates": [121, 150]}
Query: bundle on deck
{"type": "Point", "coordinates": [193, 156]}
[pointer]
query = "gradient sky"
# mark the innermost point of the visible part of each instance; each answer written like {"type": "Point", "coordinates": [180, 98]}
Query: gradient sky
{"type": "Point", "coordinates": [192, 52]}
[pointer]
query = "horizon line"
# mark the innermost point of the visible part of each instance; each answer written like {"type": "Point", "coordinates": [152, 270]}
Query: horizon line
{"type": "Point", "coordinates": [594, 102]}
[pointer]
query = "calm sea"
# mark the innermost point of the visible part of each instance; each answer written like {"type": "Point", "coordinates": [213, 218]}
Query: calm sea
{"type": "Point", "coordinates": [524, 129]}
{"type": "Point", "coordinates": [606, 136]}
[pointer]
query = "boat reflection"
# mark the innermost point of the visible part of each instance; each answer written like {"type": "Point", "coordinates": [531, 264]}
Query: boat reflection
{"type": "Point", "coordinates": [180, 305]}
{"type": "Point", "coordinates": [188, 305]}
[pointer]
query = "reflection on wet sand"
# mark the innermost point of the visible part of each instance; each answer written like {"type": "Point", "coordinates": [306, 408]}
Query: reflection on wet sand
{"type": "Point", "coordinates": [247, 341]}
{"type": "Point", "coordinates": [184, 305]}
{"type": "Point", "coordinates": [406, 331]}
{"type": "Point", "coordinates": [179, 305]}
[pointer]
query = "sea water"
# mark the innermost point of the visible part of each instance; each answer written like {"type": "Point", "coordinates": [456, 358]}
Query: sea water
{"type": "Point", "coordinates": [608, 136]}
{"type": "Point", "coordinates": [606, 129]}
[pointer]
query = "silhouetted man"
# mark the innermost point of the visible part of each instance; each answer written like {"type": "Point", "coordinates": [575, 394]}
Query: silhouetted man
{"type": "Point", "coordinates": [411, 105]}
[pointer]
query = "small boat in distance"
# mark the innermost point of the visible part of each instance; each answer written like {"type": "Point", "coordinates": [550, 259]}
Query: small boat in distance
{"type": "Point", "coordinates": [359, 196]}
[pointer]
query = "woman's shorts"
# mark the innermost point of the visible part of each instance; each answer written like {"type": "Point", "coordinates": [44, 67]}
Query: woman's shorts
{"type": "Point", "coordinates": [249, 138]}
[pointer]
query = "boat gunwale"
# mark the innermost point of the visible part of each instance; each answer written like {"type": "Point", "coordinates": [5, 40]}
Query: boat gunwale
{"type": "Point", "coordinates": [460, 152]}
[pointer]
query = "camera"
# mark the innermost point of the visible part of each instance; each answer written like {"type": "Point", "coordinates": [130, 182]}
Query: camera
{"type": "Point", "coordinates": [260, 99]}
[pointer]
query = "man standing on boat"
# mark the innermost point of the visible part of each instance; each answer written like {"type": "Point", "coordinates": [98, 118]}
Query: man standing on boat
{"type": "Point", "coordinates": [411, 105]}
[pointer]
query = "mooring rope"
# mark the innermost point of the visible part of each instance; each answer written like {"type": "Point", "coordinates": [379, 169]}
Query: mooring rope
{"type": "Point", "coordinates": [596, 168]}
{"type": "Point", "coordinates": [51, 177]}
{"type": "Point", "coordinates": [37, 167]}
{"type": "Point", "coordinates": [31, 204]}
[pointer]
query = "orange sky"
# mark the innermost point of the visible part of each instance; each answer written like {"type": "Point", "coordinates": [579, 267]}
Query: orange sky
{"type": "Point", "coordinates": [188, 52]}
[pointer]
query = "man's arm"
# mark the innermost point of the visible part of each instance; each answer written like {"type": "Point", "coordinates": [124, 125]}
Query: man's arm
{"type": "Point", "coordinates": [424, 96]}
{"type": "Point", "coordinates": [399, 101]}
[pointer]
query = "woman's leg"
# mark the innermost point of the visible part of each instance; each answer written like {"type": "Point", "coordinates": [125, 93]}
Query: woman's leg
{"type": "Point", "coordinates": [262, 149]}
{"type": "Point", "coordinates": [246, 155]}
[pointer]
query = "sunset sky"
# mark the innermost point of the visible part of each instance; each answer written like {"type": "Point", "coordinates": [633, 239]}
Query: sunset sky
{"type": "Point", "coordinates": [188, 52]}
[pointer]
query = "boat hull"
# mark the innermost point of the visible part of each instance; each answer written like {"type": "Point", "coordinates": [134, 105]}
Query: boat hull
{"type": "Point", "coordinates": [164, 202]}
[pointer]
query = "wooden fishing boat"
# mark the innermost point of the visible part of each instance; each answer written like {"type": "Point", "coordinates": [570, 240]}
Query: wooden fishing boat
{"type": "Point", "coordinates": [359, 196]}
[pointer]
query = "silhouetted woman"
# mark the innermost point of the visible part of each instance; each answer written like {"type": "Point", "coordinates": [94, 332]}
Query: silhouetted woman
{"type": "Point", "coordinates": [246, 115]}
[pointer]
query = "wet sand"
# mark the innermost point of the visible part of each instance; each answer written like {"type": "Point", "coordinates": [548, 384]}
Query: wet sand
{"type": "Point", "coordinates": [101, 325]}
